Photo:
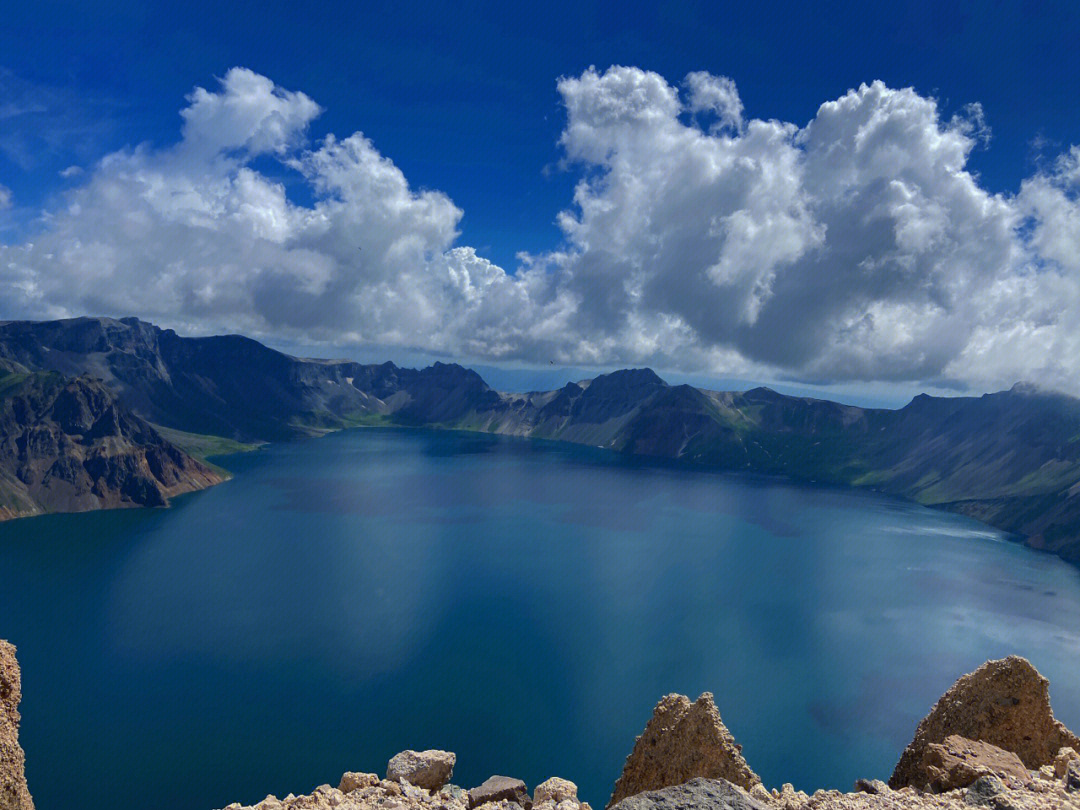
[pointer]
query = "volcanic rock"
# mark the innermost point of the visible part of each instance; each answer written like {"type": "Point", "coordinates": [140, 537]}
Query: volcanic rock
{"type": "Point", "coordinates": [429, 770]}
{"type": "Point", "coordinates": [351, 780]}
{"type": "Point", "coordinates": [984, 790]}
{"type": "Point", "coordinates": [1062, 760]}
{"type": "Point", "coordinates": [1005, 703]}
{"type": "Point", "coordinates": [14, 794]}
{"type": "Point", "coordinates": [958, 762]}
{"type": "Point", "coordinates": [555, 790]}
{"type": "Point", "coordinates": [682, 741]}
{"type": "Point", "coordinates": [697, 794]}
{"type": "Point", "coordinates": [500, 788]}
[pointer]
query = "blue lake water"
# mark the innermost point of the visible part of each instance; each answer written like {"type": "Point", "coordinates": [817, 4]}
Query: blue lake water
{"type": "Point", "coordinates": [523, 604]}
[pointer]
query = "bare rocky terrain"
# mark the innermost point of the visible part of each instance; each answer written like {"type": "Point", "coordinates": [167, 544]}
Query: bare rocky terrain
{"type": "Point", "coordinates": [1018, 757]}
{"type": "Point", "coordinates": [68, 445]}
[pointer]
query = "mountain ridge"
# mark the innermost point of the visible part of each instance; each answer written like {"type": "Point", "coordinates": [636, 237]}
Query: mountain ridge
{"type": "Point", "coordinates": [1010, 459]}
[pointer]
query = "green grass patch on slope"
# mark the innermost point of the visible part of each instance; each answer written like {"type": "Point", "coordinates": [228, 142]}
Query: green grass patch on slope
{"type": "Point", "coordinates": [203, 446]}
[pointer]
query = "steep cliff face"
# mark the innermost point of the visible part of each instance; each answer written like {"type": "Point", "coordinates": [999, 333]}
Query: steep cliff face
{"type": "Point", "coordinates": [69, 446]}
{"type": "Point", "coordinates": [1011, 459]}
{"type": "Point", "coordinates": [14, 794]}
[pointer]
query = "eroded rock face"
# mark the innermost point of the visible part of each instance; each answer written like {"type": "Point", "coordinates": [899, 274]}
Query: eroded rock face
{"type": "Point", "coordinates": [697, 794]}
{"type": "Point", "coordinates": [429, 769]}
{"type": "Point", "coordinates": [1005, 703]}
{"type": "Point", "coordinates": [958, 762]}
{"type": "Point", "coordinates": [14, 794]}
{"type": "Point", "coordinates": [683, 741]}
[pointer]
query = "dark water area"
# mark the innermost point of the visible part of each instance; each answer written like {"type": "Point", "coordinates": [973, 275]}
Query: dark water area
{"type": "Point", "coordinates": [520, 603]}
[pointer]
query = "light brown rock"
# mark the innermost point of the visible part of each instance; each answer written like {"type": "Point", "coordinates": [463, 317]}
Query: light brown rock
{"type": "Point", "coordinates": [14, 794]}
{"type": "Point", "coordinates": [682, 741]}
{"type": "Point", "coordinates": [556, 790]}
{"type": "Point", "coordinates": [1062, 760]}
{"type": "Point", "coordinates": [958, 761]}
{"type": "Point", "coordinates": [429, 769]}
{"type": "Point", "coordinates": [1005, 703]}
{"type": "Point", "coordinates": [351, 780]}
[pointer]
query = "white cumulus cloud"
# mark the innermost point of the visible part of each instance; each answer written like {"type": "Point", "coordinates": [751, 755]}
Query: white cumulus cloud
{"type": "Point", "coordinates": [857, 246]}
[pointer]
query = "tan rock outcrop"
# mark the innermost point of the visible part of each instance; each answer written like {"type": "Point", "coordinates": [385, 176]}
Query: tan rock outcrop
{"type": "Point", "coordinates": [14, 794]}
{"type": "Point", "coordinates": [555, 790]}
{"type": "Point", "coordinates": [683, 741]}
{"type": "Point", "coordinates": [1005, 703]}
{"type": "Point", "coordinates": [958, 761]}
{"type": "Point", "coordinates": [429, 769]}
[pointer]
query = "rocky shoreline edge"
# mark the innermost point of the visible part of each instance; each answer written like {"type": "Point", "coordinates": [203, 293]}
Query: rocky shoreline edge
{"type": "Point", "coordinates": [991, 741]}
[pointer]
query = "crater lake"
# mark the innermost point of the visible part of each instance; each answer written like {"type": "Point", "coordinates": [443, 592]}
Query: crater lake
{"type": "Point", "coordinates": [521, 603]}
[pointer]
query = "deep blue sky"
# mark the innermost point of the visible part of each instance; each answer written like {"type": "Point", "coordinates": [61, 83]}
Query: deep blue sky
{"type": "Point", "coordinates": [462, 96]}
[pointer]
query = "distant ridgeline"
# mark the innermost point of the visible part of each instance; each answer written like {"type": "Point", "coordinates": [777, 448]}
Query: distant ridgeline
{"type": "Point", "coordinates": [1010, 459]}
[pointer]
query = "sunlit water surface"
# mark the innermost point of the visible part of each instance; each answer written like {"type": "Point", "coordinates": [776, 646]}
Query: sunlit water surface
{"type": "Point", "coordinates": [522, 604]}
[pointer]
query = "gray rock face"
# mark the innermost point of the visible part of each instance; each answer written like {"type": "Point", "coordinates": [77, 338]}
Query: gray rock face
{"type": "Point", "coordinates": [429, 770]}
{"type": "Point", "coordinates": [697, 794]}
{"type": "Point", "coordinates": [500, 788]}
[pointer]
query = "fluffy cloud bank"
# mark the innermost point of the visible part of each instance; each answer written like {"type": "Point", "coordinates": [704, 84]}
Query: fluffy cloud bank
{"type": "Point", "coordinates": [856, 247]}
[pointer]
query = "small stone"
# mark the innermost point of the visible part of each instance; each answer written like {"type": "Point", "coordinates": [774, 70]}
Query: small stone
{"type": "Point", "coordinates": [453, 793]}
{"type": "Point", "coordinates": [556, 789]}
{"type": "Point", "coordinates": [1061, 761]}
{"type": "Point", "coordinates": [568, 804]}
{"type": "Point", "coordinates": [352, 780]}
{"type": "Point", "coordinates": [499, 788]}
{"type": "Point", "coordinates": [759, 792]}
{"type": "Point", "coordinates": [1072, 776]}
{"type": "Point", "coordinates": [983, 790]}
{"type": "Point", "coordinates": [429, 770]}
{"type": "Point", "coordinates": [874, 787]}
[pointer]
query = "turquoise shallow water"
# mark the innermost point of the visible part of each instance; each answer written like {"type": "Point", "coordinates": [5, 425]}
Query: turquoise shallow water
{"type": "Point", "coordinates": [522, 604]}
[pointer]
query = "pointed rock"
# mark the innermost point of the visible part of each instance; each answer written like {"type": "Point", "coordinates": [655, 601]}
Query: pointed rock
{"type": "Point", "coordinates": [13, 791]}
{"type": "Point", "coordinates": [1005, 703]}
{"type": "Point", "coordinates": [683, 741]}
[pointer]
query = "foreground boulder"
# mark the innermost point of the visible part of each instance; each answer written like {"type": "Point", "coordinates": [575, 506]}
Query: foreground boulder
{"type": "Point", "coordinates": [429, 770]}
{"type": "Point", "coordinates": [1005, 703]}
{"type": "Point", "coordinates": [958, 762]}
{"type": "Point", "coordinates": [683, 741]}
{"type": "Point", "coordinates": [697, 794]}
{"type": "Point", "coordinates": [500, 789]}
{"type": "Point", "coordinates": [14, 794]}
{"type": "Point", "coordinates": [555, 790]}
